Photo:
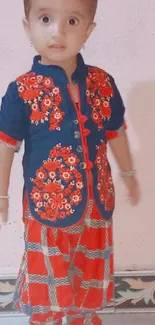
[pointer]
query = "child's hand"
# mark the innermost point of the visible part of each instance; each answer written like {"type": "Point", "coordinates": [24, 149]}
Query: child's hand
{"type": "Point", "coordinates": [3, 211]}
{"type": "Point", "coordinates": [133, 189]}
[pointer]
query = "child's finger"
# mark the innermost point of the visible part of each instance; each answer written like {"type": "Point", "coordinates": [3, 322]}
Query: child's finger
{"type": "Point", "coordinates": [135, 197]}
{"type": "Point", "coordinates": [3, 218]}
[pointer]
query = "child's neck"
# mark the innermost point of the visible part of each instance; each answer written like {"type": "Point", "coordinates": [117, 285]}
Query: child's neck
{"type": "Point", "coordinates": [68, 66]}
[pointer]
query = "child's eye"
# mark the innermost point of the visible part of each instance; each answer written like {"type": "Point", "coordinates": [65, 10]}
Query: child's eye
{"type": "Point", "coordinates": [45, 19]}
{"type": "Point", "coordinates": [73, 21]}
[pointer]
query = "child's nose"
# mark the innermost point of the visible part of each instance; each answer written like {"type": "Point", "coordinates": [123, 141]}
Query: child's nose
{"type": "Point", "coordinates": [57, 29]}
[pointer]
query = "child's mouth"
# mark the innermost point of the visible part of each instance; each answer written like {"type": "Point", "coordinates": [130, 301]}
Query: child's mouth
{"type": "Point", "coordinates": [57, 47]}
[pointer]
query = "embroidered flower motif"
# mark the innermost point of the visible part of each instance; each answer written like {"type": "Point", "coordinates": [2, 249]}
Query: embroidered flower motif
{"type": "Point", "coordinates": [105, 184]}
{"type": "Point", "coordinates": [99, 91]}
{"type": "Point", "coordinates": [58, 185]}
{"type": "Point", "coordinates": [43, 98]}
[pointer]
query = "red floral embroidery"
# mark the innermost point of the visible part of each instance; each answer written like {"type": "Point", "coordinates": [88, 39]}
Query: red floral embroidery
{"type": "Point", "coordinates": [43, 98]}
{"type": "Point", "coordinates": [58, 185]}
{"type": "Point", "coordinates": [99, 92]}
{"type": "Point", "coordinates": [105, 184]}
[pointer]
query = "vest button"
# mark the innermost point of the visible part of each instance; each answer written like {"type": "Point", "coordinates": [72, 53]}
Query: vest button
{"type": "Point", "coordinates": [76, 122]}
{"type": "Point", "coordinates": [82, 165]}
{"type": "Point", "coordinates": [77, 135]}
{"type": "Point", "coordinates": [79, 149]}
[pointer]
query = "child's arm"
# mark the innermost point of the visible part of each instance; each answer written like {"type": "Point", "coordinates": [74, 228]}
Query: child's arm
{"type": "Point", "coordinates": [6, 159]}
{"type": "Point", "coordinates": [117, 138]}
{"type": "Point", "coordinates": [13, 122]}
{"type": "Point", "coordinates": [121, 151]}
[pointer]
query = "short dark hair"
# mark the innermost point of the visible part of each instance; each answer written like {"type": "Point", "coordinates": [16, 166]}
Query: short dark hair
{"type": "Point", "coordinates": [27, 7]}
{"type": "Point", "coordinates": [93, 4]}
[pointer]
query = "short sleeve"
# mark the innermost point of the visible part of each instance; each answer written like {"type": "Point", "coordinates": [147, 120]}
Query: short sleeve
{"type": "Point", "coordinates": [12, 118]}
{"type": "Point", "coordinates": [117, 113]}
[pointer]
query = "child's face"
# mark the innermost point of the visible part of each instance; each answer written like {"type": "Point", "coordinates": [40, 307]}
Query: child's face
{"type": "Point", "coordinates": [59, 28]}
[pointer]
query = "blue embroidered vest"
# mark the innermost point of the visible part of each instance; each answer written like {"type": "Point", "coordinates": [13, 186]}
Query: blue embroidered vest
{"type": "Point", "coordinates": [65, 160]}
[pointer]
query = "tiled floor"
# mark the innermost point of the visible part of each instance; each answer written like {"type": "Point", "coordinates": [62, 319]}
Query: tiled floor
{"type": "Point", "coordinates": [148, 319]}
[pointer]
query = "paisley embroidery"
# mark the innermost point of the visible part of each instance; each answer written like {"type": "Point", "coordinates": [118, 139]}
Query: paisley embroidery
{"type": "Point", "coordinates": [43, 98]}
{"type": "Point", "coordinates": [105, 184]}
{"type": "Point", "coordinates": [99, 91]}
{"type": "Point", "coordinates": [58, 185]}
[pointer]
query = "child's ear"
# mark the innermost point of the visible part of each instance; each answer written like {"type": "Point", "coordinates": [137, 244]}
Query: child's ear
{"type": "Point", "coordinates": [26, 27]}
{"type": "Point", "coordinates": [90, 29]}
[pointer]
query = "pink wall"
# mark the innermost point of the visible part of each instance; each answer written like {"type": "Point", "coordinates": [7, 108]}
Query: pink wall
{"type": "Point", "coordinates": [124, 45]}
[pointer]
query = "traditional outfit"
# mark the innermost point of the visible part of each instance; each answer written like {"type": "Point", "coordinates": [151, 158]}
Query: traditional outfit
{"type": "Point", "coordinates": [68, 198]}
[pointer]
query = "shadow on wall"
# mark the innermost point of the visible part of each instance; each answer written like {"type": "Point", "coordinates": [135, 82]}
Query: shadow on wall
{"type": "Point", "coordinates": [141, 111]}
{"type": "Point", "coordinates": [134, 227]}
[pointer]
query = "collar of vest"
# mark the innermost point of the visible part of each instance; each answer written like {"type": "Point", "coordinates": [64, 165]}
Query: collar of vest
{"type": "Point", "coordinates": [57, 72]}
